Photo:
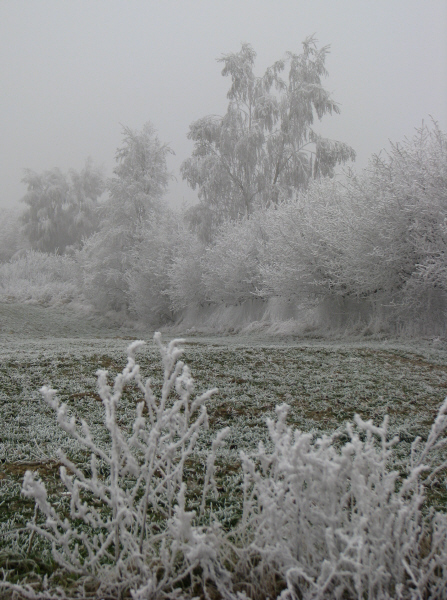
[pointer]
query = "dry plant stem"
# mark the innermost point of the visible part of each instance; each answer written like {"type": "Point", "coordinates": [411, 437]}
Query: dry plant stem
{"type": "Point", "coordinates": [33, 532]}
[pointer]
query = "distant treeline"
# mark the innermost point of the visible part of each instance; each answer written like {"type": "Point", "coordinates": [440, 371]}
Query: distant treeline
{"type": "Point", "coordinates": [274, 219]}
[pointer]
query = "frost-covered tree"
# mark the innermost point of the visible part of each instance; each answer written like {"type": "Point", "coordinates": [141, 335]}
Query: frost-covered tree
{"type": "Point", "coordinates": [12, 238]}
{"type": "Point", "coordinates": [135, 193]}
{"type": "Point", "coordinates": [378, 238]}
{"type": "Point", "coordinates": [141, 178]}
{"type": "Point", "coordinates": [265, 147]}
{"type": "Point", "coordinates": [61, 208]}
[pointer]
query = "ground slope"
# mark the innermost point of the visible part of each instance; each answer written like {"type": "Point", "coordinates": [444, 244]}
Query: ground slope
{"type": "Point", "coordinates": [34, 321]}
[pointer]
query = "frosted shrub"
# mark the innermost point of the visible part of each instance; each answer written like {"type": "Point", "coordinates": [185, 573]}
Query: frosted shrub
{"type": "Point", "coordinates": [405, 196]}
{"type": "Point", "coordinates": [185, 272]}
{"type": "Point", "coordinates": [334, 523]}
{"type": "Point", "coordinates": [40, 278]}
{"type": "Point", "coordinates": [310, 243]}
{"type": "Point", "coordinates": [155, 281]}
{"type": "Point", "coordinates": [370, 246]}
{"type": "Point", "coordinates": [231, 265]}
{"type": "Point", "coordinates": [146, 278]}
{"type": "Point", "coordinates": [104, 259]}
{"type": "Point", "coordinates": [129, 528]}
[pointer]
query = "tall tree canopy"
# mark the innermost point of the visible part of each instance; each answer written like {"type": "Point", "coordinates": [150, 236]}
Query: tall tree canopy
{"type": "Point", "coordinates": [61, 208]}
{"type": "Point", "coordinates": [141, 177]}
{"type": "Point", "coordinates": [264, 148]}
{"type": "Point", "coordinates": [135, 193]}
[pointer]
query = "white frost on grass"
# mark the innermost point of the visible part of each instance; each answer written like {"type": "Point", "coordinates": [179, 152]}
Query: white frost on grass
{"type": "Point", "coordinates": [322, 516]}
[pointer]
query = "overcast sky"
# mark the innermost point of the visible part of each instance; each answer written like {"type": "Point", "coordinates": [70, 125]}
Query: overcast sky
{"type": "Point", "coordinates": [73, 71]}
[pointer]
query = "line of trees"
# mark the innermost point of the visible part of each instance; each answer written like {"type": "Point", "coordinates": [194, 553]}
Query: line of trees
{"type": "Point", "coordinates": [371, 246]}
{"type": "Point", "coordinates": [272, 220]}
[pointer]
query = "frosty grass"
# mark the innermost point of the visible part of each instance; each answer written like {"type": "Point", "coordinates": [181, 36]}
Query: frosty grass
{"type": "Point", "coordinates": [324, 383]}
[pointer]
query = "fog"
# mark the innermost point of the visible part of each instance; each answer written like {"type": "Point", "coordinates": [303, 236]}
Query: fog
{"type": "Point", "coordinates": [73, 72]}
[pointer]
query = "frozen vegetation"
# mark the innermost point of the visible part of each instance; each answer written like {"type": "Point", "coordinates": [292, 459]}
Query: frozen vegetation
{"type": "Point", "coordinates": [361, 254]}
{"type": "Point", "coordinates": [318, 469]}
{"type": "Point", "coordinates": [282, 238]}
{"type": "Point", "coordinates": [259, 490]}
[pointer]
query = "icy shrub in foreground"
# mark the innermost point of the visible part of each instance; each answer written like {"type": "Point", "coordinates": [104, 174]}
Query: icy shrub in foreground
{"type": "Point", "coordinates": [336, 523]}
{"type": "Point", "coordinates": [129, 528]}
{"type": "Point", "coordinates": [321, 518]}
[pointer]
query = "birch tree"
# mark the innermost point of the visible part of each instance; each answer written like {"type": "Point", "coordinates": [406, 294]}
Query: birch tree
{"type": "Point", "coordinates": [265, 147]}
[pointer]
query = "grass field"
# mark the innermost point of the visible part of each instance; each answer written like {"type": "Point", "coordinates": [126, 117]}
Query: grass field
{"type": "Point", "coordinates": [324, 382]}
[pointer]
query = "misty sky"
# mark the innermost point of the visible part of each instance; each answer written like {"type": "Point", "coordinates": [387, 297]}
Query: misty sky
{"type": "Point", "coordinates": [73, 71]}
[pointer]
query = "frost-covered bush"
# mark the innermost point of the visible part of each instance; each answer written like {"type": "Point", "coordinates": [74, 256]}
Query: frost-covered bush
{"type": "Point", "coordinates": [318, 255]}
{"type": "Point", "coordinates": [146, 278]}
{"type": "Point", "coordinates": [404, 226]}
{"type": "Point", "coordinates": [231, 265]}
{"type": "Point", "coordinates": [40, 278]}
{"type": "Point", "coordinates": [114, 261]}
{"type": "Point", "coordinates": [374, 242]}
{"type": "Point", "coordinates": [128, 527]}
{"type": "Point", "coordinates": [309, 245]}
{"type": "Point", "coordinates": [332, 521]}
{"type": "Point", "coordinates": [152, 273]}
{"type": "Point", "coordinates": [186, 287]}
{"type": "Point", "coordinates": [165, 268]}
{"type": "Point", "coordinates": [104, 260]}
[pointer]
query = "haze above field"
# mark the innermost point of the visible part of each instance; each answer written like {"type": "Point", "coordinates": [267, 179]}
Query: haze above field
{"type": "Point", "coordinates": [72, 72]}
